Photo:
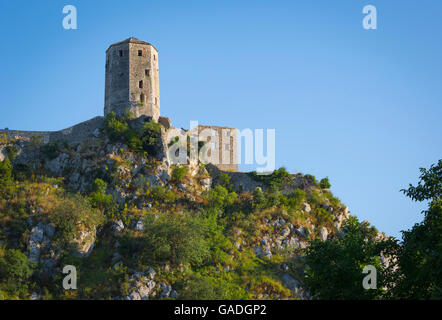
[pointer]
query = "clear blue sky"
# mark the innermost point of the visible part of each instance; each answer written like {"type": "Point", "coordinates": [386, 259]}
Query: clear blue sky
{"type": "Point", "coordinates": [361, 107]}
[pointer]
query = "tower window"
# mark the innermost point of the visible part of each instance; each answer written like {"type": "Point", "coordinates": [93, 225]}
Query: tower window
{"type": "Point", "coordinates": [140, 53]}
{"type": "Point", "coordinates": [146, 72]}
{"type": "Point", "coordinates": [156, 101]}
{"type": "Point", "coordinates": [142, 97]}
{"type": "Point", "coordinates": [121, 53]}
{"type": "Point", "coordinates": [154, 57]}
{"type": "Point", "coordinates": [140, 84]}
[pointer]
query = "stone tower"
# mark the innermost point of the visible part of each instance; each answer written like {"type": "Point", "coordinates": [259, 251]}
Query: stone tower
{"type": "Point", "coordinates": [132, 80]}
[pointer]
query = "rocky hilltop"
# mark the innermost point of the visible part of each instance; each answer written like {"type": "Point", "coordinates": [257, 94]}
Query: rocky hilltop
{"type": "Point", "coordinates": [137, 227]}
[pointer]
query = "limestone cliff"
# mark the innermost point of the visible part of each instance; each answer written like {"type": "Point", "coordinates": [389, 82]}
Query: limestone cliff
{"type": "Point", "coordinates": [156, 229]}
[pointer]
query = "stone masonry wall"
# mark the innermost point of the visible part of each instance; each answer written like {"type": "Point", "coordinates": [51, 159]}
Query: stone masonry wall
{"type": "Point", "coordinates": [132, 79]}
{"type": "Point", "coordinates": [144, 69]}
{"type": "Point", "coordinates": [224, 146]}
{"type": "Point", "coordinates": [72, 135]}
{"type": "Point", "coordinates": [117, 79]}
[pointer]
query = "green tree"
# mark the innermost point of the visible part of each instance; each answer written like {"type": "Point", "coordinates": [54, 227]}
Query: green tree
{"type": "Point", "coordinates": [5, 172]}
{"type": "Point", "coordinates": [219, 197]}
{"type": "Point", "coordinates": [151, 137]}
{"type": "Point", "coordinates": [15, 269]}
{"type": "Point", "coordinates": [224, 180]}
{"type": "Point", "coordinates": [420, 256]}
{"type": "Point", "coordinates": [334, 268]}
{"type": "Point", "coordinates": [258, 197]}
{"type": "Point", "coordinates": [429, 186]}
{"type": "Point", "coordinates": [324, 183]}
{"type": "Point", "coordinates": [175, 238]}
{"type": "Point", "coordinates": [73, 214]}
{"type": "Point", "coordinates": [15, 265]}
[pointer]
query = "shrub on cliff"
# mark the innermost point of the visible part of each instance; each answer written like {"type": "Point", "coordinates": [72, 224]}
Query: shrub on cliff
{"type": "Point", "coordinates": [160, 194]}
{"type": "Point", "coordinates": [219, 197]}
{"type": "Point", "coordinates": [99, 199]}
{"type": "Point", "coordinates": [5, 172]}
{"type": "Point", "coordinates": [72, 214]}
{"type": "Point", "coordinates": [324, 183]}
{"type": "Point", "coordinates": [15, 269]}
{"type": "Point", "coordinates": [178, 174]}
{"type": "Point", "coordinates": [204, 287]}
{"type": "Point", "coordinates": [278, 178]}
{"type": "Point", "coordinates": [114, 128]}
{"type": "Point", "coordinates": [145, 138]}
{"type": "Point", "coordinates": [297, 198]}
{"type": "Point", "coordinates": [258, 197]}
{"type": "Point", "coordinates": [118, 130]}
{"type": "Point", "coordinates": [50, 150]}
{"type": "Point", "coordinates": [12, 151]}
{"type": "Point", "coordinates": [224, 180]}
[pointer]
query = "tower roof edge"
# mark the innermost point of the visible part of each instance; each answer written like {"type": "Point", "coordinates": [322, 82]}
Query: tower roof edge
{"type": "Point", "coordinates": [131, 40]}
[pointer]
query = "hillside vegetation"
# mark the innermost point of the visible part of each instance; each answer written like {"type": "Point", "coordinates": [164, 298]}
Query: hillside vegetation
{"type": "Point", "coordinates": [136, 227]}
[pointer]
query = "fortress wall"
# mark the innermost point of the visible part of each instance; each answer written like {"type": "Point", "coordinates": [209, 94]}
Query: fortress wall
{"type": "Point", "coordinates": [241, 181]}
{"type": "Point", "coordinates": [16, 134]}
{"type": "Point", "coordinates": [72, 135]}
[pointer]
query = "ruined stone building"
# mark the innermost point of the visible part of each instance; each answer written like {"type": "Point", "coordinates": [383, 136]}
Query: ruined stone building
{"type": "Point", "coordinates": [223, 144]}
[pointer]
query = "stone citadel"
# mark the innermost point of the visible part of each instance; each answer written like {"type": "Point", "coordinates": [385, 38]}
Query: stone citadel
{"type": "Point", "coordinates": [132, 84]}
